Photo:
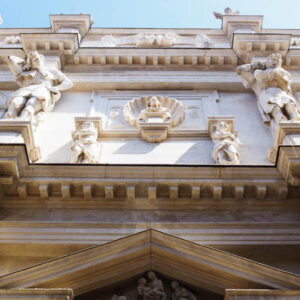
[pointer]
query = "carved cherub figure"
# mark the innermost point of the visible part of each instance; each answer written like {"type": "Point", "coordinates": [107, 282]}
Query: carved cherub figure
{"type": "Point", "coordinates": [152, 289]}
{"type": "Point", "coordinates": [85, 147]}
{"type": "Point", "coordinates": [180, 292]}
{"type": "Point", "coordinates": [40, 86]}
{"type": "Point", "coordinates": [225, 151]}
{"type": "Point", "coordinates": [153, 105]}
{"type": "Point", "coordinates": [272, 86]}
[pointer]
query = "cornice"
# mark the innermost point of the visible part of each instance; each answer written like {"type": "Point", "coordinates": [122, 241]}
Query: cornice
{"type": "Point", "coordinates": [67, 185]}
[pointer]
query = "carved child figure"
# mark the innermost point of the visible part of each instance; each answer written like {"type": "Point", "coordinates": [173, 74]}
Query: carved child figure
{"type": "Point", "coordinates": [180, 292]}
{"type": "Point", "coordinates": [272, 86]}
{"type": "Point", "coordinates": [40, 86]}
{"type": "Point", "coordinates": [226, 144]}
{"type": "Point", "coordinates": [85, 147]}
{"type": "Point", "coordinates": [153, 105]}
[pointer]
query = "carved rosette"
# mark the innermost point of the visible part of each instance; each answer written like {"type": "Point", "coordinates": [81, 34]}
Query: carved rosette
{"type": "Point", "coordinates": [154, 116]}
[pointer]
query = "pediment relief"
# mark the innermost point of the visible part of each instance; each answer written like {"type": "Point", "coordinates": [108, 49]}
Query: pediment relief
{"type": "Point", "coordinates": [154, 116]}
{"type": "Point", "coordinates": [142, 288]}
{"type": "Point", "coordinates": [100, 266]}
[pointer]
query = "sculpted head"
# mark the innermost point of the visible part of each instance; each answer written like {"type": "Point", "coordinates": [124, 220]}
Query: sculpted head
{"type": "Point", "coordinates": [274, 60]}
{"type": "Point", "coordinates": [151, 275]}
{"type": "Point", "coordinates": [142, 281]}
{"type": "Point", "coordinates": [221, 126]}
{"type": "Point", "coordinates": [228, 11]}
{"type": "Point", "coordinates": [174, 285]}
{"type": "Point", "coordinates": [34, 60]}
{"type": "Point", "coordinates": [153, 103]}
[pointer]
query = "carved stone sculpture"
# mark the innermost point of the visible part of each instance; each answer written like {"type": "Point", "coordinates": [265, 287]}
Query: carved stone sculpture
{"type": "Point", "coordinates": [227, 11]}
{"type": "Point", "coordinates": [155, 40]}
{"type": "Point", "coordinates": [85, 146]}
{"type": "Point", "coordinates": [154, 116]}
{"type": "Point", "coordinates": [40, 86]}
{"type": "Point", "coordinates": [13, 39]}
{"type": "Point", "coordinates": [272, 86]}
{"type": "Point", "coordinates": [151, 289]}
{"type": "Point", "coordinates": [116, 297]}
{"type": "Point", "coordinates": [180, 292]}
{"type": "Point", "coordinates": [154, 109]}
{"type": "Point", "coordinates": [225, 151]}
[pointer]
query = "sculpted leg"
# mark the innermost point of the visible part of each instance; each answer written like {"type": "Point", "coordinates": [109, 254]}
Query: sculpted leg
{"type": "Point", "coordinates": [76, 153]}
{"type": "Point", "coordinates": [277, 114]}
{"type": "Point", "coordinates": [291, 109]}
{"type": "Point", "coordinates": [33, 106]}
{"type": "Point", "coordinates": [222, 157]}
{"type": "Point", "coordinates": [16, 105]}
{"type": "Point", "coordinates": [232, 153]}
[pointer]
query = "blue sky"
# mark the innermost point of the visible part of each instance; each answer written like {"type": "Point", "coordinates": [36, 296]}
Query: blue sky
{"type": "Point", "coordinates": [149, 13]}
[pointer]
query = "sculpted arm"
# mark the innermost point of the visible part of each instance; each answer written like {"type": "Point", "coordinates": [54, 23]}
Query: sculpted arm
{"type": "Point", "coordinates": [15, 65]}
{"type": "Point", "coordinates": [64, 82]}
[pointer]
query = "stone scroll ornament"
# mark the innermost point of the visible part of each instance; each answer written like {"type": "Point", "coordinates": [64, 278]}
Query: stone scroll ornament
{"type": "Point", "coordinates": [40, 87]}
{"type": "Point", "coordinates": [85, 146]}
{"type": "Point", "coordinates": [272, 86]}
{"type": "Point", "coordinates": [226, 146]}
{"type": "Point", "coordinates": [154, 116]}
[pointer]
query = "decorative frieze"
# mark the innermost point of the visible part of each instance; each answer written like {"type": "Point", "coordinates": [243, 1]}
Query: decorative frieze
{"type": "Point", "coordinates": [155, 40]}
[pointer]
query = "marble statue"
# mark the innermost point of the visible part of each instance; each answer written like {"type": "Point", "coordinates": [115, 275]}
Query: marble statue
{"type": "Point", "coordinates": [85, 147]}
{"type": "Point", "coordinates": [153, 106]}
{"type": "Point", "coordinates": [180, 292]}
{"type": "Point", "coordinates": [40, 86]}
{"type": "Point", "coordinates": [272, 86]}
{"type": "Point", "coordinates": [227, 12]}
{"type": "Point", "coordinates": [151, 289]}
{"type": "Point", "coordinates": [225, 151]}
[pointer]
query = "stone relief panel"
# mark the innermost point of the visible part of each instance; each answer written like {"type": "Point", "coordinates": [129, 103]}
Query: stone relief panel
{"type": "Point", "coordinates": [156, 40]}
{"type": "Point", "coordinates": [188, 143]}
{"type": "Point", "coordinates": [151, 286]}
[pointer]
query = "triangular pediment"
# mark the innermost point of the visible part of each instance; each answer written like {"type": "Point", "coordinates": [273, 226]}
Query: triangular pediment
{"type": "Point", "coordinates": [107, 264]}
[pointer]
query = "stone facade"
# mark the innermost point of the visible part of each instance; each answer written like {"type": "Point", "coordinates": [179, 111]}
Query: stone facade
{"type": "Point", "coordinates": [150, 164]}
